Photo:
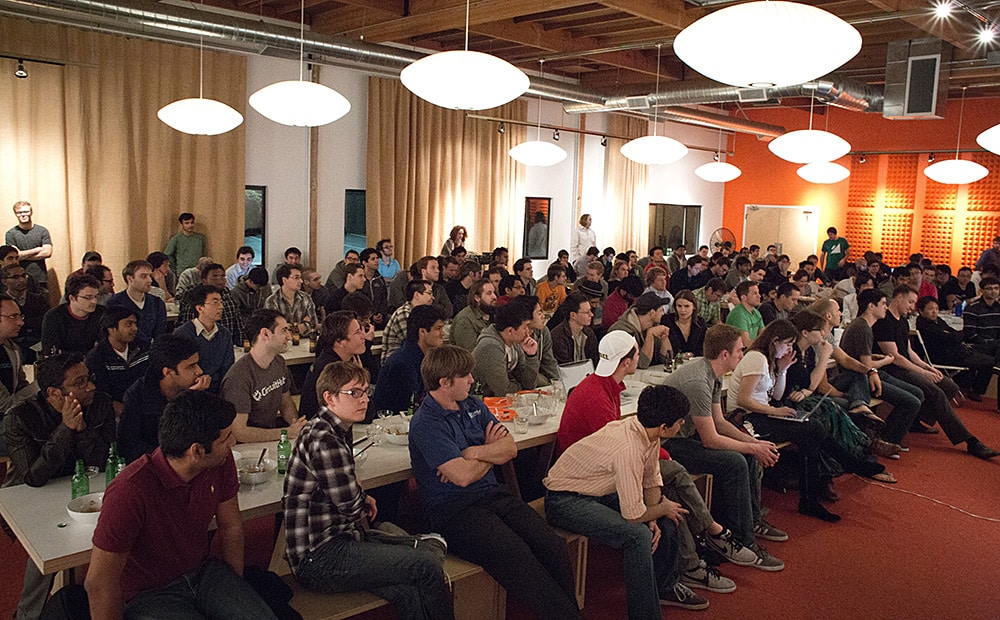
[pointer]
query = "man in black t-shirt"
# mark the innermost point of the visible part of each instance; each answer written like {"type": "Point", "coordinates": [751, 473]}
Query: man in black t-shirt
{"type": "Point", "coordinates": [956, 290]}
{"type": "Point", "coordinates": [892, 337]}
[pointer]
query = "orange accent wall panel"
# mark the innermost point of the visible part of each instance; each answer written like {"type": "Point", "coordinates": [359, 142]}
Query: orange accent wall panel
{"type": "Point", "coordinates": [859, 229]}
{"type": "Point", "coordinates": [901, 182]}
{"type": "Point", "coordinates": [935, 238]}
{"type": "Point", "coordinates": [984, 195]}
{"type": "Point", "coordinates": [897, 229]}
{"type": "Point", "coordinates": [940, 197]}
{"type": "Point", "coordinates": [979, 233]}
{"type": "Point", "coordinates": [863, 188]}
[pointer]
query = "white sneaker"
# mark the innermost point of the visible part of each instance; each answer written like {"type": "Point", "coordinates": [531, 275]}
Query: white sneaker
{"type": "Point", "coordinates": [727, 545]}
{"type": "Point", "coordinates": [707, 578]}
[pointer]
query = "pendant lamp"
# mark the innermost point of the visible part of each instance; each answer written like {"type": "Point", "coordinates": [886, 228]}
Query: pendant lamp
{"type": "Point", "coordinates": [654, 150]}
{"type": "Point", "coordinates": [956, 171]}
{"type": "Point", "coordinates": [823, 172]}
{"type": "Point", "coordinates": [807, 146]}
{"type": "Point", "coordinates": [537, 152]}
{"type": "Point", "coordinates": [199, 116]}
{"type": "Point", "coordinates": [718, 171]}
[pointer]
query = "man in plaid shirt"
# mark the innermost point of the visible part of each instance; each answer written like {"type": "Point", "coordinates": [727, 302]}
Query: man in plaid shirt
{"type": "Point", "coordinates": [296, 306]}
{"type": "Point", "coordinates": [418, 293]}
{"type": "Point", "coordinates": [331, 546]}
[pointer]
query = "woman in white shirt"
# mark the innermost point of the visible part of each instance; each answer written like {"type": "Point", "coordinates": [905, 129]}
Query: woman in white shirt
{"type": "Point", "coordinates": [583, 238]}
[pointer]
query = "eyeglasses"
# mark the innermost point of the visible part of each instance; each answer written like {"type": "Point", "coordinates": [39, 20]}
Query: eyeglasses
{"type": "Point", "coordinates": [358, 393]}
{"type": "Point", "coordinates": [14, 317]}
{"type": "Point", "coordinates": [18, 276]}
{"type": "Point", "coordinates": [81, 383]}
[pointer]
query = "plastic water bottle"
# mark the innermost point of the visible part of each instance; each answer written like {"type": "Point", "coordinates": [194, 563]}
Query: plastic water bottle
{"type": "Point", "coordinates": [111, 467]}
{"type": "Point", "coordinates": [80, 483]}
{"type": "Point", "coordinates": [959, 308]}
{"type": "Point", "coordinates": [284, 452]}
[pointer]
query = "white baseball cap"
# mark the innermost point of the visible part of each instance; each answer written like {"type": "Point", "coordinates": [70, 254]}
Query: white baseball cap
{"type": "Point", "coordinates": [614, 346]}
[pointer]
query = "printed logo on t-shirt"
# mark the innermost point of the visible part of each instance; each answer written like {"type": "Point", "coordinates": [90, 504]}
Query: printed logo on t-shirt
{"type": "Point", "coordinates": [264, 391]}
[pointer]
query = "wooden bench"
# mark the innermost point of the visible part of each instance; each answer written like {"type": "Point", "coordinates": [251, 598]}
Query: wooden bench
{"type": "Point", "coordinates": [577, 545]}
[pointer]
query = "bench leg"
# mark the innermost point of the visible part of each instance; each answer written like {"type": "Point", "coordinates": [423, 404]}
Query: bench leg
{"type": "Point", "coordinates": [479, 597]}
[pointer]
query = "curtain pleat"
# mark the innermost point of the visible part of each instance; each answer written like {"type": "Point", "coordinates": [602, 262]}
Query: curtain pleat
{"type": "Point", "coordinates": [626, 207]}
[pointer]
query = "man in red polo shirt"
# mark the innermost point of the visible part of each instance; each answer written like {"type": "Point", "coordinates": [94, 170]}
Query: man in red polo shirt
{"type": "Point", "coordinates": [597, 401]}
{"type": "Point", "coordinates": [150, 556]}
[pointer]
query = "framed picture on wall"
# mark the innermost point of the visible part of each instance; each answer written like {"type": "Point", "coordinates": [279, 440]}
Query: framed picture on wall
{"type": "Point", "coordinates": [536, 227]}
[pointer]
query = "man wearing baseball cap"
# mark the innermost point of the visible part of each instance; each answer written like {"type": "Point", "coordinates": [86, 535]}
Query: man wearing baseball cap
{"type": "Point", "coordinates": [642, 322]}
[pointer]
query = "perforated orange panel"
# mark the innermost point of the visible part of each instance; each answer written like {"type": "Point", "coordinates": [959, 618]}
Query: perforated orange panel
{"type": "Point", "coordinates": [863, 186]}
{"type": "Point", "coordinates": [935, 239]}
{"type": "Point", "coordinates": [901, 182]}
{"type": "Point", "coordinates": [979, 233]}
{"type": "Point", "coordinates": [939, 196]}
{"type": "Point", "coordinates": [859, 230]}
{"type": "Point", "coordinates": [897, 230]}
{"type": "Point", "coordinates": [984, 195]}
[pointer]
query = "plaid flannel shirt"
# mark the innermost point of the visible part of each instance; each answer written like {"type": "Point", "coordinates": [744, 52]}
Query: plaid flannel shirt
{"type": "Point", "coordinates": [301, 309]}
{"type": "Point", "coordinates": [395, 330]}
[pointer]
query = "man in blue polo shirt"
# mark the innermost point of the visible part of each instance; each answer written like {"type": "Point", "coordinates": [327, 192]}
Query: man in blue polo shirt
{"type": "Point", "coordinates": [454, 443]}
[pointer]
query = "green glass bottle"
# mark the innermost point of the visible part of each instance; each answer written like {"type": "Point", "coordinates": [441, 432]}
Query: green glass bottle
{"type": "Point", "coordinates": [111, 467]}
{"type": "Point", "coordinates": [284, 452]}
{"type": "Point", "coordinates": [120, 466]}
{"type": "Point", "coordinates": [80, 483]}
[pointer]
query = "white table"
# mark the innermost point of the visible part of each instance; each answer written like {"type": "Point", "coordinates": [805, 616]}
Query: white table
{"type": "Point", "coordinates": [296, 354]}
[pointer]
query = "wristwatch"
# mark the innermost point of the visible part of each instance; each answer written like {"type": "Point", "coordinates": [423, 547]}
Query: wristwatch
{"type": "Point", "coordinates": [872, 371]}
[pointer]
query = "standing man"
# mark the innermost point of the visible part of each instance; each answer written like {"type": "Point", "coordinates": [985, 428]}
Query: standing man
{"type": "Point", "coordinates": [259, 383]}
{"type": "Point", "coordinates": [33, 243]}
{"type": "Point", "coordinates": [475, 316]}
{"type": "Point", "coordinates": [173, 368]}
{"type": "Point", "coordinates": [296, 306]}
{"type": "Point", "coordinates": [387, 265]}
{"type": "Point", "coordinates": [65, 421]}
{"type": "Point", "coordinates": [149, 309]}
{"type": "Point", "coordinates": [454, 444]}
{"type": "Point", "coordinates": [333, 542]}
{"type": "Point", "coordinates": [833, 254]}
{"type": "Point", "coordinates": [215, 343]}
{"type": "Point", "coordinates": [242, 266]}
{"type": "Point", "coordinates": [746, 317]}
{"type": "Point", "coordinates": [74, 325]}
{"type": "Point", "coordinates": [187, 246]}
{"type": "Point", "coordinates": [151, 545]}
{"type": "Point", "coordinates": [583, 238]}
{"type": "Point", "coordinates": [119, 359]}
{"type": "Point", "coordinates": [375, 287]}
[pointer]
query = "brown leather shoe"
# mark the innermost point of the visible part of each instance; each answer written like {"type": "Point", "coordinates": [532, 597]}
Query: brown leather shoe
{"type": "Point", "coordinates": [884, 449]}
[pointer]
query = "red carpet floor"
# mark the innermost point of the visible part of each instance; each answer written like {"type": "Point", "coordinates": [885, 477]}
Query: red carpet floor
{"type": "Point", "coordinates": [894, 554]}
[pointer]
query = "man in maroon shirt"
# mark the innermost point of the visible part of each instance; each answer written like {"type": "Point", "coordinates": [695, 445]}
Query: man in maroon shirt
{"type": "Point", "coordinates": [597, 401]}
{"type": "Point", "coordinates": [620, 300]}
{"type": "Point", "coordinates": [150, 556]}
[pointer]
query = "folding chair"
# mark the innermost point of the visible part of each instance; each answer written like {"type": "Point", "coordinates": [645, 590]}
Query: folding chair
{"type": "Point", "coordinates": [951, 371]}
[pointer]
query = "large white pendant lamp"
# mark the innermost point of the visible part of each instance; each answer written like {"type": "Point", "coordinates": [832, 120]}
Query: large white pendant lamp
{"type": "Point", "coordinates": [990, 139]}
{"type": "Point", "coordinates": [537, 152]}
{"type": "Point", "coordinates": [297, 102]}
{"type": "Point", "coordinates": [718, 171]}
{"type": "Point", "coordinates": [823, 172]}
{"type": "Point", "coordinates": [654, 150]}
{"type": "Point", "coordinates": [464, 80]}
{"type": "Point", "coordinates": [807, 146]}
{"type": "Point", "coordinates": [956, 171]}
{"type": "Point", "coordinates": [199, 116]}
{"type": "Point", "coordinates": [769, 43]}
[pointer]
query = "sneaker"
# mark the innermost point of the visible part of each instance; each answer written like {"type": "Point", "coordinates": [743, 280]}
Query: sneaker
{"type": "Point", "coordinates": [733, 550]}
{"type": "Point", "coordinates": [766, 561]}
{"type": "Point", "coordinates": [765, 530]}
{"type": "Point", "coordinates": [903, 448]}
{"type": "Point", "coordinates": [679, 595]}
{"type": "Point", "coordinates": [435, 542]}
{"type": "Point", "coordinates": [708, 578]}
{"type": "Point", "coordinates": [884, 449]}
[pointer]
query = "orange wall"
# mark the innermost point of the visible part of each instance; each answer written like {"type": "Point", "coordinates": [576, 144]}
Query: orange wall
{"type": "Point", "coordinates": [769, 180]}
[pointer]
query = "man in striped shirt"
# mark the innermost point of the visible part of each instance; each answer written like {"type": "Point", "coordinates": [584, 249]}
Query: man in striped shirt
{"type": "Point", "coordinates": [333, 544]}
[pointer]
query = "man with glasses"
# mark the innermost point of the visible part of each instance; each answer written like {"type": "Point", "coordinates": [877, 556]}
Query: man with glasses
{"type": "Point", "coordinates": [574, 340]}
{"type": "Point", "coordinates": [150, 310]}
{"type": "Point", "coordinates": [66, 420]}
{"type": "Point", "coordinates": [14, 386]}
{"type": "Point", "coordinates": [297, 307]}
{"type": "Point", "coordinates": [387, 265]}
{"type": "Point", "coordinates": [76, 324]}
{"type": "Point", "coordinates": [32, 241]}
{"type": "Point", "coordinates": [107, 279]}
{"type": "Point", "coordinates": [344, 340]}
{"type": "Point", "coordinates": [259, 383]}
{"type": "Point", "coordinates": [32, 305]}
{"type": "Point", "coordinates": [418, 293]}
{"type": "Point", "coordinates": [214, 275]}
{"type": "Point", "coordinates": [215, 348]}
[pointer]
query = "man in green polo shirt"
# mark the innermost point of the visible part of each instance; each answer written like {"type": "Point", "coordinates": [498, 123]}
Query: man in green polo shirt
{"type": "Point", "coordinates": [745, 317]}
{"type": "Point", "coordinates": [187, 246]}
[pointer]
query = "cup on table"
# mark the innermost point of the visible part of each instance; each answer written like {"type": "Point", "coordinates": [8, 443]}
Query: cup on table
{"type": "Point", "coordinates": [558, 392]}
{"type": "Point", "coordinates": [376, 433]}
{"type": "Point", "coordinates": [385, 413]}
{"type": "Point", "coordinates": [521, 422]}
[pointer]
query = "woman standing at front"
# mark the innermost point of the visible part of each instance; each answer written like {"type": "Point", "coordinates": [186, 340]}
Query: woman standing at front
{"type": "Point", "coordinates": [583, 238]}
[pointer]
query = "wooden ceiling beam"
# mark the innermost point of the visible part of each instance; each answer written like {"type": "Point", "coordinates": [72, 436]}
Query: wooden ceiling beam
{"type": "Point", "coordinates": [670, 13]}
{"type": "Point", "coordinates": [347, 18]}
{"type": "Point", "coordinates": [935, 27]}
{"type": "Point", "coordinates": [289, 7]}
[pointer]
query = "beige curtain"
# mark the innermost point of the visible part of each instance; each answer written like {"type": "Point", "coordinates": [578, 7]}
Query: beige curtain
{"type": "Point", "coordinates": [83, 145]}
{"type": "Point", "coordinates": [430, 169]}
{"type": "Point", "coordinates": [626, 207]}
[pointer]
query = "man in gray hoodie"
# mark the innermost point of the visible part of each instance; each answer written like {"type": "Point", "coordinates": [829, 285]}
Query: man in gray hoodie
{"type": "Point", "coordinates": [506, 355]}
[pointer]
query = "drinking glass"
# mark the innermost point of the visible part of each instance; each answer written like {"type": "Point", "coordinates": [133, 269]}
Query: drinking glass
{"type": "Point", "coordinates": [521, 423]}
{"type": "Point", "coordinates": [384, 413]}
{"type": "Point", "coordinates": [376, 434]}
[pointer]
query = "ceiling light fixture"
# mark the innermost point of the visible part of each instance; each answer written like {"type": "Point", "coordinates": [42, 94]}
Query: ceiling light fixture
{"type": "Point", "coordinates": [20, 72]}
{"type": "Point", "coordinates": [990, 139]}
{"type": "Point", "coordinates": [464, 80]}
{"type": "Point", "coordinates": [942, 9]}
{"type": "Point", "coordinates": [199, 116]}
{"type": "Point", "coordinates": [956, 171]}
{"type": "Point", "coordinates": [986, 34]}
{"type": "Point", "coordinates": [297, 102]}
{"type": "Point", "coordinates": [718, 171]}
{"type": "Point", "coordinates": [765, 44]}
{"type": "Point", "coordinates": [823, 172]}
{"type": "Point", "coordinates": [538, 152]}
{"type": "Point", "coordinates": [654, 150]}
{"type": "Point", "coordinates": [808, 146]}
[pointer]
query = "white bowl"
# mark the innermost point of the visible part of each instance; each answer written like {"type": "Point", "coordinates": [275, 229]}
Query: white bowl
{"type": "Point", "coordinates": [86, 509]}
{"type": "Point", "coordinates": [255, 477]}
{"type": "Point", "coordinates": [397, 432]}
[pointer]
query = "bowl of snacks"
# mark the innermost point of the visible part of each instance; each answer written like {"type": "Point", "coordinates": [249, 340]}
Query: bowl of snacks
{"type": "Point", "coordinates": [252, 473]}
{"type": "Point", "coordinates": [398, 432]}
{"type": "Point", "coordinates": [86, 509]}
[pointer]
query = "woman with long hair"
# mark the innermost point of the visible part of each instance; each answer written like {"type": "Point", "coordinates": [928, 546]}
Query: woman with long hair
{"type": "Point", "coordinates": [456, 239]}
{"type": "Point", "coordinates": [687, 329]}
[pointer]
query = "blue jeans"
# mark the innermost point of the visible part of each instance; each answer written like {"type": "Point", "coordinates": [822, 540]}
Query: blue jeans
{"type": "Point", "coordinates": [410, 577]}
{"type": "Point", "coordinates": [646, 573]}
{"type": "Point", "coordinates": [735, 483]}
{"type": "Point", "coordinates": [211, 591]}
{"type": "Point", "coordinates": [905, 399]}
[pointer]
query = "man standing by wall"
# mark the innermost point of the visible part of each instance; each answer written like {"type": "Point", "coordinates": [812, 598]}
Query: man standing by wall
{"type": "Point", "coordinates": [833, 254]}
{"type": "Point", "coordinates": [33, 243]}
{"type": "Point", "coordinates": [187, 246]}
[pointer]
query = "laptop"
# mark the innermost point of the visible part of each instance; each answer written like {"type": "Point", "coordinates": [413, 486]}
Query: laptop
{"type": "Point", "coordinates": [573, 373]}
{"type": "Point", "coordinates": [801, 416]}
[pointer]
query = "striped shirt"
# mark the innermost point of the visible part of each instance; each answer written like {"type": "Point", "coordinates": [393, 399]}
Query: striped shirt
{"type": "Point", "coordinates": [395, 330]}
{"type": "Point", "coordinates": [618, 458]}
{"type": "Point", "coordinates": [981, 322]}
{"type": "Point", "coordinates": [322, 497]}
{"type": "Point", "coordinates": [711, 311]}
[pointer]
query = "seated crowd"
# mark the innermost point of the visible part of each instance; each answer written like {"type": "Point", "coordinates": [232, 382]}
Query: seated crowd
{"type": "Point", "coordinates": [758, 340]}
